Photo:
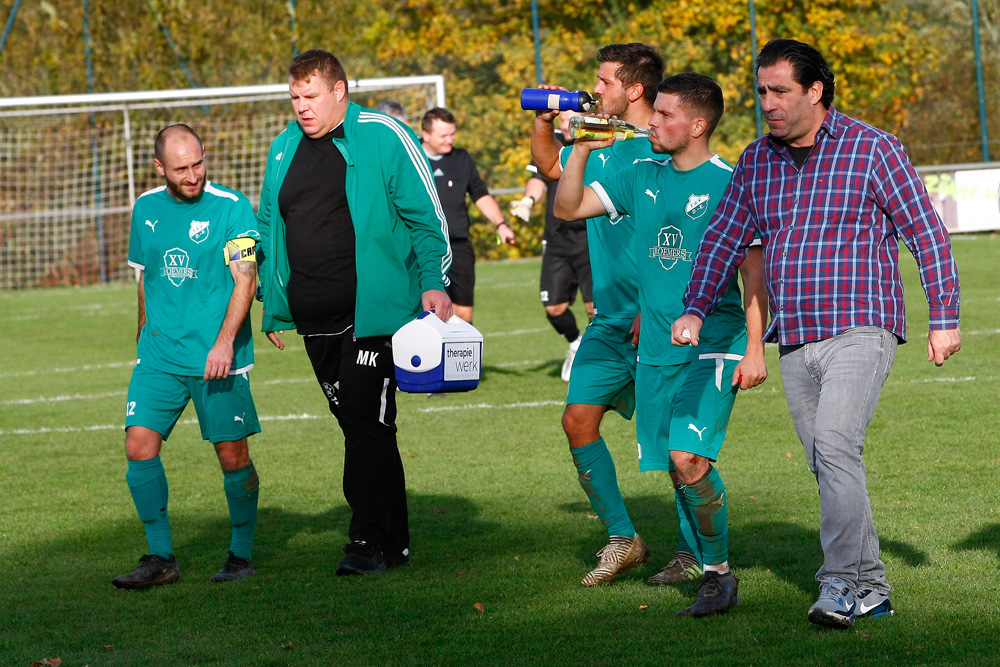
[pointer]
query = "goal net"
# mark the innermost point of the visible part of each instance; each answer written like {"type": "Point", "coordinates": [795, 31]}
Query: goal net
{"type": "Point", "coordinates": [73, 165]}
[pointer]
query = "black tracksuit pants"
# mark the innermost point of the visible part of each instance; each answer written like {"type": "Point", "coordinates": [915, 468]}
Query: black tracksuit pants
{"type": "Point", "coordinates": [359, 380]}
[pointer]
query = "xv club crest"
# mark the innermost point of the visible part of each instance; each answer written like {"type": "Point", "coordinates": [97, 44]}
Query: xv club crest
{"type": "Point", "coordinates": [669, 247]}
{"type": "Point", "coordinates": [177, 266]}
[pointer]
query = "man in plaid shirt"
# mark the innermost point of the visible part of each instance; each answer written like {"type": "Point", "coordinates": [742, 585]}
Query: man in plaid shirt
{"type": "Point", "coordinates": [829, 197]}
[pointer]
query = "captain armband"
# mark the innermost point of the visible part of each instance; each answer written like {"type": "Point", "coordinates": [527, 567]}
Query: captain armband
{"type": "Point", "coordinates": [242, 249]}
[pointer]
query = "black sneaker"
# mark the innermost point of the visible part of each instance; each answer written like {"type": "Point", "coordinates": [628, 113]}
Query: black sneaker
{"type": "Point", "coordinates": [152, 571]}
{"type": "Point", "coordinates": [716, 595]}
{"type": "Point", "coordinates": [362, 558]}
{"type": "Point", "coordinates": [235, 568]}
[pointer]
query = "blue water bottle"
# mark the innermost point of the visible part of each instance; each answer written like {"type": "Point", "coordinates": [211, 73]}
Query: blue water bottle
{"type": "Point", "coordinates": [537, 99]}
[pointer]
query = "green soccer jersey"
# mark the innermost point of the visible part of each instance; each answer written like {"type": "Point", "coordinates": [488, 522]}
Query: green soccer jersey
{"type": "Point", "coordinates": [672, 209]}
{"type": "Point", "coordinates": [612, 263]}
{"type": "Point", "coordinates": [180, 247]}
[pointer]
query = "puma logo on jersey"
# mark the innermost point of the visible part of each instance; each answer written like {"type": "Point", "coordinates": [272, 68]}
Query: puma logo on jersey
{"type": "Point", "coordinates": [650, 193]}
{"type": "Point", "coordinates": [366, 358]}
{"type": "Point", "coordinates": [695, 429]}
{"type": "Point", "coordinates": [239, 419]}
{"type": "Point", "coordinates": [152, 225]}
{"type": "Point", "coordinates": [604, 158]}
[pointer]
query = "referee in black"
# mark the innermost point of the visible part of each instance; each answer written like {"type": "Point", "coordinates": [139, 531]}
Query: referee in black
{"type": "Point", "coordinates": [456, 175]}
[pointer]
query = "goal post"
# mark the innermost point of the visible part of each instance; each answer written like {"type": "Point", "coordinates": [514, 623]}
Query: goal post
{"type": "Point", "coordinates": [73, 165]}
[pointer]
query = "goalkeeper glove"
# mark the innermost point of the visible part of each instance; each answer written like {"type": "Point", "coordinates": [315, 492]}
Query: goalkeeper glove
{"type": "Point", "coordinates": [522, 208]}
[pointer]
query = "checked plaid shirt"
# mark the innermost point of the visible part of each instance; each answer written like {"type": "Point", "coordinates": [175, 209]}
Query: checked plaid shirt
{"type": "Point", "coordinates": [830, 233]}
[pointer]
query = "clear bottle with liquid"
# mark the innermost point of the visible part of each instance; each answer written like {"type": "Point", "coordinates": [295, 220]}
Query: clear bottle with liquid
{"type": "Point", "coordinates": [538, 99]}
{"type": "Point", "coordinates": [592, 127]}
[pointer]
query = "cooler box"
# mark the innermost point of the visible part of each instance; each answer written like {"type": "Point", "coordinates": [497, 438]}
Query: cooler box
{"type": "Point", "coordinates": [432, 356]}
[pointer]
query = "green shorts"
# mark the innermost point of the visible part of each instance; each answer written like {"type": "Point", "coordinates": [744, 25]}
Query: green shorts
{"type": "Point", "coordinates": [225, 407]}
{"type": "Point", "coordinates": [604, 367]}
{"type": "Point", "coordinates": [684, 407]}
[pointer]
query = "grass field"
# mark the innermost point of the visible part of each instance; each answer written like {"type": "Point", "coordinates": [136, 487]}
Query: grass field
{"type": "Point", "coordinates": [497, 516]}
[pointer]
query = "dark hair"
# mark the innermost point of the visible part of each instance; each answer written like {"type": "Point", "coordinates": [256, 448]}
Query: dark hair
{"type": "Point", "coordinates": [325, 63]}
{"type": "Point", "coordinates": [699, 93]}
{"type": "Point", "coordinates": [160, 145]}
{"type": "Point", "coordinates": [437, 113]}
{"type": "Point", "coordinates": [808, 65]}
{"type": "Point", "coordinates": [639, 63]}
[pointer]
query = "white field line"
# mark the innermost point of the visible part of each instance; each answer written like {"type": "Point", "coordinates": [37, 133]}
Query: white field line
{"type": "Point", "coordinates": [266, 418]}
{"type": "Point", "coordinates": [73, 369]}
{"type": "Point", "coordinates": [112, 427]}
{"type": "Point", "coordinates": [64, 397]}
{"type": "Point", "coordinates": [515, 332]}
{"type": "Point", "coordinates": [490, 406]}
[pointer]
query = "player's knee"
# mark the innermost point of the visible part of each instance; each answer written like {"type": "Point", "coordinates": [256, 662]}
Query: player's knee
{"type": "Point", "coordinates": [580, 427]}
{"type": "Point", "coordinates": [556, 309]}
{"type": "Point", "coordinates": [142, 443]}
{"type": "Point", "coordinates": [689, 468]}
{"type": "Point", "coordinates": [233, 455]}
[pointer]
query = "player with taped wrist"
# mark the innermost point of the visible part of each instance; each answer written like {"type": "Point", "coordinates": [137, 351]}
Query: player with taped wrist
{"type": "Point", "coordinates": [194, 244]}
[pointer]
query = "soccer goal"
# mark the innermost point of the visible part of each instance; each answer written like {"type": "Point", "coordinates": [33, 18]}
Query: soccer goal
{"type": "Point", "coordinates": [71, 166]}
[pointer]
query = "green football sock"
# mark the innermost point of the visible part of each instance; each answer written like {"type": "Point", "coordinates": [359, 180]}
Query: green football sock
{"type": "Point", "coordinates": [599, 480]}
{"type": "Point", "coordinates": [242, 488]}
{"type": "Point", "coordinates": [707, 498]}
{"type": "Point", "coordinates": [687, 537]}
{"type": "Point", "coordinates": [147, 481]}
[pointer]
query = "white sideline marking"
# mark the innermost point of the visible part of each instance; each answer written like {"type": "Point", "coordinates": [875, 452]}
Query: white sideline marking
{"type": "Point", "coordinates": [65, 397]}
{"type": "Point", "coordinates": [75, 369]}
{"type": "Point", "coordinates": [111, 427]}
{"type": "Point", "coordinates": [515, 332]}
{"type": "Point", "coordinates": [926, 380]}
{"type": "Point", "coordinates": [490, 406]}
{"type": "Point", "coordinates": [526, 362]}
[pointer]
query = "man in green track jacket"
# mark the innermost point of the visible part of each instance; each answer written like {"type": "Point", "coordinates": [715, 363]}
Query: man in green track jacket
{"type": "Point", "coordinates": [353, 245]}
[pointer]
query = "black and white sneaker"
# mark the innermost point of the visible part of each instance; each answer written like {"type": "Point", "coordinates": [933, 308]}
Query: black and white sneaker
{"type": "Point", "coordinates": [152, 571]}
{"type": "Point", "coordinates": [235, 568]}
{"type": "Point", "coordinates": [362, 558]}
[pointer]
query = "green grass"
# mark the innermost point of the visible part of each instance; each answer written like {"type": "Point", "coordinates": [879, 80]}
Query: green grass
{"type": "Point", "coordinates": [497, 516]}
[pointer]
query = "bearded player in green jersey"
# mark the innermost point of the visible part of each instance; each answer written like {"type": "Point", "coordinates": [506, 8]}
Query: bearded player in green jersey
{"type": "Point", "coordinates": [684, 395]}
{"type": "Point", "coordinates": [193, 243]}
{"type": "Point", "coordinates": [603, 369]}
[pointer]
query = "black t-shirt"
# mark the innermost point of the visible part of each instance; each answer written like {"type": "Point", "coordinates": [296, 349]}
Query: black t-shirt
{"type": "Point", "coordinates": [320, 239]}
{"type": "Point", "coordinates": [564, 237]}
{"type": "Point", "coordinates": [455, 175]}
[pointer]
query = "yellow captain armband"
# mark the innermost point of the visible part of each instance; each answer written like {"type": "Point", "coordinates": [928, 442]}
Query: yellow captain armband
{"type": "Point", "coordinates": [242, 249]}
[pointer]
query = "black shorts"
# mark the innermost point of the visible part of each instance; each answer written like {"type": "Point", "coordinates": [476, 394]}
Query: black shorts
{"type": "Point", "coordinates": [562, 275]}
{"type": "Point", "coordinates": [462, 273]}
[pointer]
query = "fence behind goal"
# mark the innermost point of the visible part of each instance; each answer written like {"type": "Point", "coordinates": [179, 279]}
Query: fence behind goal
{"type": "Point", "coordinates": [71, 166]}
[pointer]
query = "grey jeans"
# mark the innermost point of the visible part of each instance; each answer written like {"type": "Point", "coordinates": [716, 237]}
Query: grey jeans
{"type": "Point", "coordinates": [832, 387]}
